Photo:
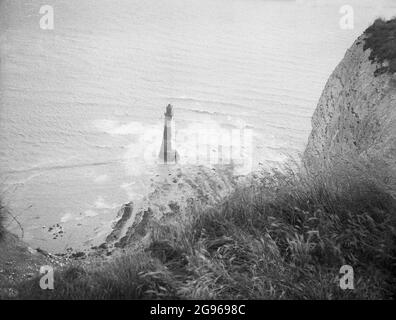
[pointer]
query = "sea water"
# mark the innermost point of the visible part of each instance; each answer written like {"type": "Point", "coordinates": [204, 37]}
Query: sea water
{"type": "Point", "coordinates": [81, 113]}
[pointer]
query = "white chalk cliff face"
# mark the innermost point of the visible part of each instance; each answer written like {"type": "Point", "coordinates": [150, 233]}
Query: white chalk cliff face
{"type": "Point", "coordinates": [356, 116]}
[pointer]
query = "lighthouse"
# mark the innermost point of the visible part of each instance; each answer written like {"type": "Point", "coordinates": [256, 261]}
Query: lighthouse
{"type": "Point", "coordinates": [168, 154]}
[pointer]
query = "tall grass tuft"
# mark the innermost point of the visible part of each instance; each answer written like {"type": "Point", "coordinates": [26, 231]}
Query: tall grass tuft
{"type": "Point", "coordinates": [129, 277]}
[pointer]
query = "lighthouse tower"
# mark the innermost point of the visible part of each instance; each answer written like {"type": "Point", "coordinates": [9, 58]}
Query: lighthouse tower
{"type": "Point", "coordinates": [168, 154]}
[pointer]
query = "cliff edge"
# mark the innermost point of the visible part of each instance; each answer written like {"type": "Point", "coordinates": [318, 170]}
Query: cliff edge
{"type": "Point", "coordinates": [356, 114]}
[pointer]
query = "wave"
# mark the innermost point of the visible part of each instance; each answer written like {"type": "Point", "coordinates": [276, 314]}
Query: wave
{"type": "Point", "coordinates": [61, 167]}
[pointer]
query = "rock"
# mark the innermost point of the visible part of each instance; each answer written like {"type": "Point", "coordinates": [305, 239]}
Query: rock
{"type": "Point", "coordinates": [31, 250]}
{"type": "Point", "coordinates": [125, 214]}
{"type": "Point", "coordinates": [79, 254]}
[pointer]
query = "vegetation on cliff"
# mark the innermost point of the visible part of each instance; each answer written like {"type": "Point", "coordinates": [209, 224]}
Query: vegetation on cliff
{"type": "Point", "coordinates": [381, 39]}
{"type": "Point", "coordinates": [283, 237]}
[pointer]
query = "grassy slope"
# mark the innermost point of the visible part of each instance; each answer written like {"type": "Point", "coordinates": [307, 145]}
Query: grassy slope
{"type": "Point", "coordinates": [285, 236]}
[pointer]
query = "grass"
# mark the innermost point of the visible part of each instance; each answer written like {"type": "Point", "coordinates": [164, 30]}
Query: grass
{"type": "Point", "coordinates": [381, 39]}
{"type": "Point", "coordinates": [129, 277]}
{"type": "Point", "coordinates": [285, 236]}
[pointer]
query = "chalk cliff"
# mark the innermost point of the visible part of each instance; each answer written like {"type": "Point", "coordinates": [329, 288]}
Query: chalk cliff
{"type": "Point", "coordinates": [356, 115]}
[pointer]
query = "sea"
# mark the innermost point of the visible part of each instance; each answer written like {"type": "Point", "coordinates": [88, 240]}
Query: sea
{"type": "Point", "coordinates": [82, 100]}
